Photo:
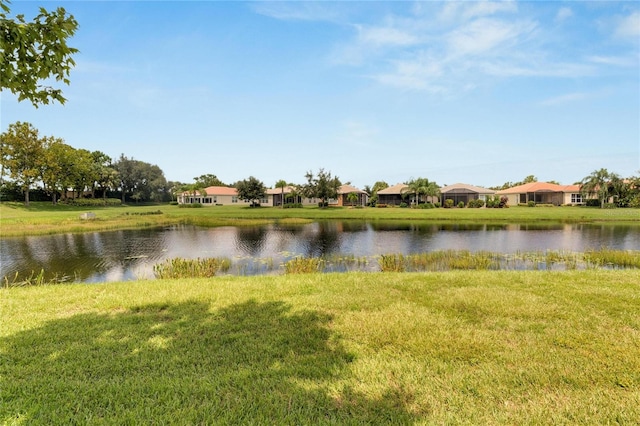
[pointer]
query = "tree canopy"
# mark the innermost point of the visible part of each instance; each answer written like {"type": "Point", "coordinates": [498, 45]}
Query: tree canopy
{"type": "Point", "coordinates": [33, 52]}
{"type": "Point", "coordinates": [251, 190]}
{"type": "Point", "coordinates": [22, 151]}
{"type": "Point", "coordinates": [207, 180]}
{"type": "Point", "coordinates": [321, 185]}
{"type": "Point", "coordinates": [602, 184]}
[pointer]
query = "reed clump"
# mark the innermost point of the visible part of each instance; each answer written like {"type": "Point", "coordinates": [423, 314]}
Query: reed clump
{"type": "Point", "coordinates": [303, 265]}
{"type": "Point", "coordinates": [191, 268]}
{"type": "Point", "coordinates": [440, 260]}
{"type": "Point", "coordinates": [33, 279]}
{"type": "Point", "coordinates": [613, 258]}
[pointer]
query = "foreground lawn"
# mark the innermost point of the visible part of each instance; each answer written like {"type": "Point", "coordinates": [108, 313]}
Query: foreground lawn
{"type": "Point", "coordinates": [356, 348]}
{"type": "Point", "coordinates": [44, 218]}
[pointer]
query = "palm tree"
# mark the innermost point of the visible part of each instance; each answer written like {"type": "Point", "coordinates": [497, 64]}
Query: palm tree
{"type": "Point", "coordinates": [282, 184]}
{"type": "Point", "coordinates": [432, 190]}
{"type": "Point", "coordinates": [417, 186]}
{"type": "Point", "coordinates": [597, 183]}
{"type": "Point", "coordinates": [352, 197]}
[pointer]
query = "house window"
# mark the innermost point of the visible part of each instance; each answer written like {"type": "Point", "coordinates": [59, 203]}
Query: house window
{"type": "Point", "coordinates": [576, 198]}
{"type": "Point", "coordinates": [264, 200]}
{"type": "Point", "coordinates": [234, 199]}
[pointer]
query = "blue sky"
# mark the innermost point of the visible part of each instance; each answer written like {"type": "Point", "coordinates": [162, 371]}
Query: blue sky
{"type": "Point", "coordinates": [472, 92]}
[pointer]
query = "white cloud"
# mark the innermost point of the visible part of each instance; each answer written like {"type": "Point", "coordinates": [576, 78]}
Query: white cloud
{"type": "Point", "coordinates": [563, 14]}
{"type": "Point", "coordinates": [484, 35]}
{"type": "Point", "coordinates": [385, 36]}
{"type": "Point", "coordinates": [629, 26]}
{"type": "Point", "coordinates": [453, 47]}
{"type": "Point", "coordinates": [299, 11]}
{"type": "Point", "coordinates": [620, 61]}
{"type": "Point", "coordinates": [485, 8]}
{"type": "Point", "coordinates": [456, 11]}
{"type": "Point", "coordinates": [567, 98]}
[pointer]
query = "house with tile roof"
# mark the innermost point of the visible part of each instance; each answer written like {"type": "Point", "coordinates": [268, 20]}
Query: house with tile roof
{"type": "Point", "coordinates": [288, 195]}
{"type": "Point", "coordinates": [462, 192]}
{"type": "Point", "coordinates": [400, 193]}
{"type": "Point", "coordinates": [343, 196]}
{"type": "Point", "coordinates": [543, 193]}
{"type": "Point", "coordinates": [211, 196]}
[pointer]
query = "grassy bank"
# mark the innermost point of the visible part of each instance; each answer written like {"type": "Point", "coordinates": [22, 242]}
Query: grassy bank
{"type": "Point", "coordinates": [356, 348]}
{"type": "Point", "coordinates": [43, 218]}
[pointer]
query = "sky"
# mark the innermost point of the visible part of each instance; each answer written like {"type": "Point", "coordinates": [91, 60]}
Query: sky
{"type": "Point", "coordinates": [473, 92]}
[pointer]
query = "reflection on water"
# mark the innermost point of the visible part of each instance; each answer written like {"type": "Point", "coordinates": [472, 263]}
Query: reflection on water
{"type": "Point", "coordinates": [131, 254]}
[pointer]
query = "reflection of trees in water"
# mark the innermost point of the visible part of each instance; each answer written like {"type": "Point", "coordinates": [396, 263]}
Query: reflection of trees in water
{"type": "Point", "coordinates": [251, 240]}
{"type": "Point", "coordinates": [118, 255]}
{"type": "Point", "coordinates": [79, 256]}
{"type": "Point", "coordinates": [323, 239]}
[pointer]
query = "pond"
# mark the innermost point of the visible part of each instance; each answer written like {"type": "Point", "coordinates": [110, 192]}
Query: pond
{"type": "Point", "coordinates": [131, 254]}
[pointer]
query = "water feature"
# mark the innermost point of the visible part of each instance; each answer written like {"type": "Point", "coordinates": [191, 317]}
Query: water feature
{"type": "Point", "coordinates": [131, 254]}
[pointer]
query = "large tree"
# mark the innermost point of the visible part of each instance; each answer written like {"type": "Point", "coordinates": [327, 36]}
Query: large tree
{"type": "Point", "coordinates": [140, 181]}
{"type": "Point", "coordinates": [55, 172]}
{"type": "Point", "coordinates": [597, 183]}
{"type": "Point", "coordinates": [207, 180]}
{"type": "Point", "coordinates": [251, 190]}
{"type": "Point", "coordinates": [23, 152]}
{"type": "Point", "coordinates": [321, 185]}
{"type": "Point", "coordinates": [35, 52]}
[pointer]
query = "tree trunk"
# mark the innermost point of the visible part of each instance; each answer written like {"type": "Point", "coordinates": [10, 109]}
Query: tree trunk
{"type": "Point", "coordinates": [26, 197]}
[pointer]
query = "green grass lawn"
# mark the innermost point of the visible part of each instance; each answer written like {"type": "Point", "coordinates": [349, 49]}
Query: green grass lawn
{"type": "Point", "coordinates": [44, 218]}
{"type": "Point", "coordinates": [356, 348]}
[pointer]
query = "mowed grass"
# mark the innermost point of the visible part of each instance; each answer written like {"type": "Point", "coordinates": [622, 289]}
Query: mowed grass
{"type": "Point", "coordinates": [44, 218]}
{"type": "Point", "coordinates": [459, 347]}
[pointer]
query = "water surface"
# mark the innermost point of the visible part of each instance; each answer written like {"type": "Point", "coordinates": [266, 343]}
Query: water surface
{"type": "Point", "coordinates": [131, 254]}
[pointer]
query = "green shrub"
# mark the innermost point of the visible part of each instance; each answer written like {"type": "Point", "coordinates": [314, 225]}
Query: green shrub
{"type": "Point", "coordinates": [155, 212]}
{"type": "Point", "coordinates": [426, 206]}
{"type": "Point", "coordinates": [93, 202]}
{"type": "Point", "coordinates": [303, 265]}
{"type": "Point", "coordinates": [404, 205]}
{"type": "Point", "coordinates": [173, 203]}
{"type": "Point", "coordinates": [293, 206]}
{"type": "Point", "coordinates": [382, 206]}
{"type": "Point", "coordinates": [190, 206]}
{"type": "Point", "coordinates": [461, 205]}
{"type": "Point", "coordinates": [531, 203]}
{"type": "Point", "coordinates": [448, 203]}
{"type": "Point", "coordinates": [190, 268]}
{"type": "Point", "coordinates": [479, 203]}
{"type": "Point", "coordinates": [392, 263]}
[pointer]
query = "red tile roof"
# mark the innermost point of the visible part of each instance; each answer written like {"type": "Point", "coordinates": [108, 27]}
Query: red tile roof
{"type": "Point", "coordinates": [540, 187]}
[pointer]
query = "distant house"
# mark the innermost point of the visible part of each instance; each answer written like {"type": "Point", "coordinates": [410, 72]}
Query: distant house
{"type": "Point", "coordinates": [287, 195]}
{"type": "Point", "coordinates": [393, 195]}
{"type": "Point", "coordinates": [400, 193]}
{"type": "Point", "coordinates": [543, 193]}
{"type": "Point", "coordinates": [461, 192]}
{"type": "Point", "coordinates": [210, 196]}
{"type": "Point", "coordinates": [343, 196]}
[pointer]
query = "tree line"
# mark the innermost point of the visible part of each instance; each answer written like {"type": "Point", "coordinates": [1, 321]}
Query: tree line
{"type": "Point", "coordinates": [67, 173]}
